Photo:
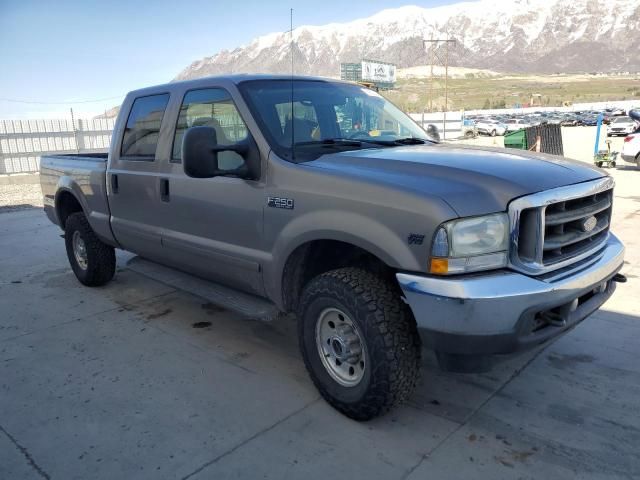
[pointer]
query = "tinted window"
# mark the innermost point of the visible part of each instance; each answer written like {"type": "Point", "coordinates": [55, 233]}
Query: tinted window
{"type": "Point", "coordinates": [143, 126]}
{"type": "Point", "coordinates": [211, 107]}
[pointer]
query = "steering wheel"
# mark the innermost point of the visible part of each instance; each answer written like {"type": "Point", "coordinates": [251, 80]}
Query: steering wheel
{"type": "Point", "coordinates": [359, 134]}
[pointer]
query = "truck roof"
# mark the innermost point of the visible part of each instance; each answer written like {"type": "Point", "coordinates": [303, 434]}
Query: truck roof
{"type": "Point", "coordinates": [220, 79]}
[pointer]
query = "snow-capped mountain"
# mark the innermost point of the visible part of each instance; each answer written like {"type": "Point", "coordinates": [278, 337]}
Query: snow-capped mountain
{"type": "Point", "coordinates": [506, 35]}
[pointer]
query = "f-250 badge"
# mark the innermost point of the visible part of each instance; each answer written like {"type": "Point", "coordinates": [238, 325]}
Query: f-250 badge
{"type": "Point", "coordinates": [280, 202]}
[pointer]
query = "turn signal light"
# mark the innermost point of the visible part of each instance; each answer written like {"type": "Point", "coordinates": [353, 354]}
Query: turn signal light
{"type": "Point", "coordinates": [439, 266]}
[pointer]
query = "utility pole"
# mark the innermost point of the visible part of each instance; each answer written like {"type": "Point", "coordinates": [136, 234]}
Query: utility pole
{"type": "Point", "coordinates": [431, 48]}
{"type": "Point", "coordinates": [433, 43]}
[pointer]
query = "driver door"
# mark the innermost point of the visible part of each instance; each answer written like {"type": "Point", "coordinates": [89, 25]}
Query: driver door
{"type": "Point", "coordinates": [213, 226]}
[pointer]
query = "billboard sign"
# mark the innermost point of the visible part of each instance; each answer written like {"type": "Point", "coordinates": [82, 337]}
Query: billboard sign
{"type": "Point", "coordinates": [378, 72]}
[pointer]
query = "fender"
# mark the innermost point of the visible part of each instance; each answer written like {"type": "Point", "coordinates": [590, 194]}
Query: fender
{"type": "Point", "coordinates": [99, 221]}
{"type": "Point", "coordinates": [349, 227]}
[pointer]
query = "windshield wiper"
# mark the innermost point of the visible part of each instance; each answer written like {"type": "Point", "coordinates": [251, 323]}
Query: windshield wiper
{"type": "Point", "coordinates": [410, 141]}
{"type": "Point", "coordinates": [399, 141]}
{"type": "Point", "coordinates": [347, 142]}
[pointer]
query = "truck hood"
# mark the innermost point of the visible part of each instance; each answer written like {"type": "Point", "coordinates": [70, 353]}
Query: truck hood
{"type": "Point", "coordinates": [472, 180]}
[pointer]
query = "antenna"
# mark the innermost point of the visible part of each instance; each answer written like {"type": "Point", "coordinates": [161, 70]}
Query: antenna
{"type": "Point", "coordinates": [293, 137]}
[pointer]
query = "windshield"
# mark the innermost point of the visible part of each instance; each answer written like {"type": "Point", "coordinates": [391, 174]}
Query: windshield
{"type": "Point", "coordinates": [623, 120]}
{"type": "Point", "coordinates": [326, 116]}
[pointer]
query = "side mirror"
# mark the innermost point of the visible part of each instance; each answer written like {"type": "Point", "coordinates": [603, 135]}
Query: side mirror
{"type": "Point", "coordinates": [200, 150]}
{"type": "Point", "coordinates": [432, 131]}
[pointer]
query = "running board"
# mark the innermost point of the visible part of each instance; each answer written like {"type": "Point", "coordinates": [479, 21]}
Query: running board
{"type": "Point", "coordinates": [245, 304]}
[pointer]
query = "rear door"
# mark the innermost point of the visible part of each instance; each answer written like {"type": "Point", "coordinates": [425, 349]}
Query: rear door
{"type": "Point", "coordinates": [133, 176]}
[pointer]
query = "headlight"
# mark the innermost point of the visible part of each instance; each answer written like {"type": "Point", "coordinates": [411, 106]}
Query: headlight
{"type": "Point", "coordinates": [471, 244]}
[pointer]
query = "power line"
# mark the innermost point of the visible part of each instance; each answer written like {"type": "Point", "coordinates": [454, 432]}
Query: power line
{"type": "Point", "coordinates": [13, 100]}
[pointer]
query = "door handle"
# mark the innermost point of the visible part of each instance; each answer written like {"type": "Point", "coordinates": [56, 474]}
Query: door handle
{"type": "Point", "coordinates": [164, 189]}
{"type": "Point", "coordinates": [114, 183]}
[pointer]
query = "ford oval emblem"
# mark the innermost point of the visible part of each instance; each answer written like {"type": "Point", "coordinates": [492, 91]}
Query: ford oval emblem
{"type": "Point", "coordinates": [589, 223]}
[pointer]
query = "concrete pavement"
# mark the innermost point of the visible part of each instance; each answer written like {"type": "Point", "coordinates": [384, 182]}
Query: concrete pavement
{"type": "Point", "coordinates": [141, 380]}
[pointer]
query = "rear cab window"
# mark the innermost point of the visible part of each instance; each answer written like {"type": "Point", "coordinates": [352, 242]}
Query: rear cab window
{"type": "Point", "coordinates": [140, 137]}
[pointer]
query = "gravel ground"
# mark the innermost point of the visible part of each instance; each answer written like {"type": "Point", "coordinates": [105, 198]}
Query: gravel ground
{"type": "Point", "coordinates": [18, 197]}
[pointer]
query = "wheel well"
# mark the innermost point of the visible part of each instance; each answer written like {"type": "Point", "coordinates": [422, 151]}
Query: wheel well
{"type": "Point", "coordinates": [66, 204]}
{"type": "Point", "coordinates": [316, 257]}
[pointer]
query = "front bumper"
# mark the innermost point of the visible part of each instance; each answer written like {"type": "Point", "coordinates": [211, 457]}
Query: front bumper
{"type": "Point", "coordinates": [504, 311]}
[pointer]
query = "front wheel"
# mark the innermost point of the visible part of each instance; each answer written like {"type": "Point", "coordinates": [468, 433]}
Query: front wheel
{"type": "Point", "coordinates": [493, 133]}
{"type": "Point", "coordinates": [92, 261]}
{"type": "Point", "coordinates": [359, 342]}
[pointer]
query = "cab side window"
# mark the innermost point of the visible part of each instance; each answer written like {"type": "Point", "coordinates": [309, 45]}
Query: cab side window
{"type": "Point", "coordinates": [140, 137]}
{"type": "Point", "coordinates": [211, 107]}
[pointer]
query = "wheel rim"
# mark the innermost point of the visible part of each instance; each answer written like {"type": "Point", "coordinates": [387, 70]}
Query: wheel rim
{"type": "Point", "coordinates": [80, 250]}
{"type": "Point", "coordinates": [340, 347]}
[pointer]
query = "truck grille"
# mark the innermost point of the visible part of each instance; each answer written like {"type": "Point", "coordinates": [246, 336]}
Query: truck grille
{"type": "Point", "coordinates": [575, 226]}
{"type": "Point", "coordinates": [551, 231]}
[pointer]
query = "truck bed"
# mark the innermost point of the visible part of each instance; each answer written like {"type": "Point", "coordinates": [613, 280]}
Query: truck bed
{"type": "Point", "coordinates": [82, 174]}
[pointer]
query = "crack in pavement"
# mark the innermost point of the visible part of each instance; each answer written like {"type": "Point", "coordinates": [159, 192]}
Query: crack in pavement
{"type": "Point", "coordinates": [476, 410]}
{"type": "Point", "coordinates": [26, 455]}
{"type": "Point", "coordinates": [246, 441]}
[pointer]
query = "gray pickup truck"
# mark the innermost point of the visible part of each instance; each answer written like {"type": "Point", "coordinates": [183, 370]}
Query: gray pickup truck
{"type": "Point", "coordinates": [330, 203]}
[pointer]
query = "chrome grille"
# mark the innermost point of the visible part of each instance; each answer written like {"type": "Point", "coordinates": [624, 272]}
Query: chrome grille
{"type": "Point", "coordinates": [575, 226]}
{"type": "Point", "coordinates": [559, 227]}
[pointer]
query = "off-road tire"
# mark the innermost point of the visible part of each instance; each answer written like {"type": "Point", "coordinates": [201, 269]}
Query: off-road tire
{"type": "Point", "coordinates": [101, 258]}
{"type": "Point", "coordinates": [387, 328]}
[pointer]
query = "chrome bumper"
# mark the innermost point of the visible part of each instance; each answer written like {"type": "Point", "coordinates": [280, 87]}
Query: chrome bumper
{"type": "Point", "coordinates": [499, 312]}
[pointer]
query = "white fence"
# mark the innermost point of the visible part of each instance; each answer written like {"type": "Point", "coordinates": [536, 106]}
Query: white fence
{"type": "Point", "coordinates": [449, 124]}
{"type": "Point", "coordinates": [22, 142]}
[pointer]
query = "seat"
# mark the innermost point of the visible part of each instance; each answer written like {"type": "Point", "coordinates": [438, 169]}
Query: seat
{"type": "Point", "coordinates": [302, 130]}
{"type": "Point", "coordinates": [215, 124]}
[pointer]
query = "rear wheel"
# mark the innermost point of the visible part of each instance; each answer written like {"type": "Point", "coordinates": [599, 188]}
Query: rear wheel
{"type": "Point", "coordinates": [359, 342]}
{"type": "Point", "coordinates": [92, 261]}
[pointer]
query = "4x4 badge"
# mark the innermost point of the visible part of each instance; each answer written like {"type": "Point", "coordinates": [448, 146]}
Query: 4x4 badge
{"type": "Point", "coordinates": [415, 239]}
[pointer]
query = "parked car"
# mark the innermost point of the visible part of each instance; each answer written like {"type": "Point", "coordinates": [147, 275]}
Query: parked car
{"type": "Point", "coordinates": [514, 124]}
{"type": "Point", "coordinates": [588, 120]}
{"type": "Point", "coordinates": [621, 126]}
{"type": "Point", "coordinates": [631, 149]}
{"type": "Point", "coordinates": [631, 146]}
{"type": "Point", "coordinates": [376, 242]}
{"type": "Point", "coordinates": [569, 120]}
{"type": "Point", "coordinates": [490, 127]}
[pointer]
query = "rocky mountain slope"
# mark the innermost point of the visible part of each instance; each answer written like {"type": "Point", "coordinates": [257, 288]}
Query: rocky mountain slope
{"type": "Point", "coordinates": [543, 36]}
